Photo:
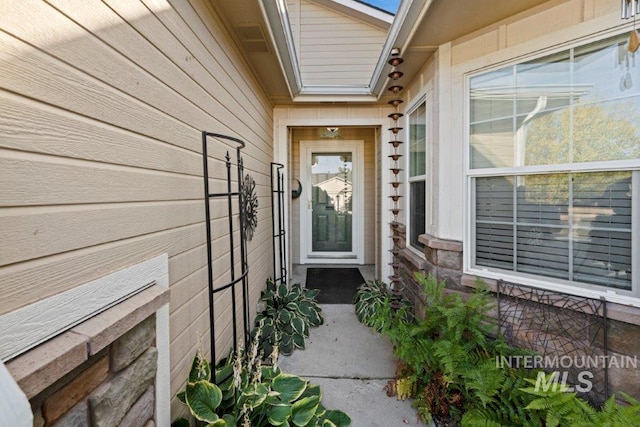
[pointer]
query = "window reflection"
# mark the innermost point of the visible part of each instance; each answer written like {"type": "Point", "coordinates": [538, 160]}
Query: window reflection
{"type": "Point", "coordinates": [577, 106]}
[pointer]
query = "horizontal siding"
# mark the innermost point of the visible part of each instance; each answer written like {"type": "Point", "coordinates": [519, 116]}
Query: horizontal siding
{"type": "Point", "coordinates": [538, 23]}
{"type": "Point", "coordinates": [324, 32]}
{"type": "Point", "coordinates": [101, 109]}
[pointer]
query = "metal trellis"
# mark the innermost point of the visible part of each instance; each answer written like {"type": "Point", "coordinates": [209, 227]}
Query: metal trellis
{"type": "Point", "coordinates": [235, 279]}
{"type": "Point", "coordinates": [278, 224]}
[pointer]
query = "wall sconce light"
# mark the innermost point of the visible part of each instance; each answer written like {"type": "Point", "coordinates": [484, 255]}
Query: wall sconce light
{"type": "Point", "coordinates": [331, 132]}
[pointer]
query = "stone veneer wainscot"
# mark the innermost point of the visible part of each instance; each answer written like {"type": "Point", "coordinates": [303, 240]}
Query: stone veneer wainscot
{"type": "Point", "coordinates": [99, 373]}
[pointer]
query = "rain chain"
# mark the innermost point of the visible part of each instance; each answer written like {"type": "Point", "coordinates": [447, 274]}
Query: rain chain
{"type": "Point", "coordinates": [395, 75]}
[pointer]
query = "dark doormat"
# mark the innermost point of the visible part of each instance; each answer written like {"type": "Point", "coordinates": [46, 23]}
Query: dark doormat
{"type": "Point", "coordinates": [337, 285]}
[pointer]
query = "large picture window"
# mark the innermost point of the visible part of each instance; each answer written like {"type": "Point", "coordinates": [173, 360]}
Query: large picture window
{"type": "Point", "coordinates": [417, 173]}
{"type": "Point", "coordinates": [554, 167]}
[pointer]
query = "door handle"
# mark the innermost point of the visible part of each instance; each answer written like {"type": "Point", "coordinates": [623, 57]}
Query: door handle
{"type": "Point", "coordinates": [309, 205]}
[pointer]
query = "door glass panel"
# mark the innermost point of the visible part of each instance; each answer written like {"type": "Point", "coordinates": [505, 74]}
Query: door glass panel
{"type": "Point", "coordinates": [331, 177]}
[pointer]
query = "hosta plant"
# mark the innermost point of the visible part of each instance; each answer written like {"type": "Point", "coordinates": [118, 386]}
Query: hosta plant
{"type": "Point", "coordinates": [374, 306]}
{"type": "Point", "coordinates": [287, 316]}
{"type": "Point", "coordinates": [249, 393]}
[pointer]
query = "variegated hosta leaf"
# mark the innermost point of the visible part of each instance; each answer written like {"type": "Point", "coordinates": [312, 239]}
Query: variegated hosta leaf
{"type": "Point", "coordinates": [203, 398]}
{"type": "Point", "coordinates": [289, 386]}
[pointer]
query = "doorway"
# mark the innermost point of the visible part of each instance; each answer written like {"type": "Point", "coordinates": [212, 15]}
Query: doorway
{"type": "Point", "coordinates": [331, 208]}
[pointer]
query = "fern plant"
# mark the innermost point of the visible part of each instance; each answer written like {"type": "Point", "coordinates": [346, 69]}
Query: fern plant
{"type": "Point", "coordinates": [452, 354]}
{"type": "Point", "coordinates": [559, 407]}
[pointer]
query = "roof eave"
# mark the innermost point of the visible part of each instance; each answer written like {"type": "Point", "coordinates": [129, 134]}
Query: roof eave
{"type": "Point", "coordinates": [409, 15]}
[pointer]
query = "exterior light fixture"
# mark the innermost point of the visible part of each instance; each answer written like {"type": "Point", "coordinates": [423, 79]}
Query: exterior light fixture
{"type": "Point", "coordinates": [331, 132]}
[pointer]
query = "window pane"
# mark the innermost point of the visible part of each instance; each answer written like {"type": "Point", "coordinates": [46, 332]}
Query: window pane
{"type": "Point", "coordinates": [607, 109]}
{"type": "Point", "coordinates": [492, 144]}
{"type": "Point", "coordinates": [417, 212]}
{"type": "Point", "coordinates": [543, 199]}
{"type": "Point", "coordinates": [543, 250]}
{"type": "Point", "coordinates": [557, 110]}
{"type": "Point", "coordinates": [567, 226]}
{"type": "Point", "coordinates": [492, 95]}
{"type": "Point", "coordinates": [494, 222]}
{"type": "Point", "coordinates": [494, 199]}
{"type": "Point", "coordinates": [545, 139]}
{"type": "Point", "coordinates": [491, 132]}
{"type": "Point", "coordinates": [602, 228]}
{"type": "Point", "coordinates": [418, 141]}
{"type": "Point", "coordinates": [543, 84]}
{"type": "Point", "coordinates": [494, 245]}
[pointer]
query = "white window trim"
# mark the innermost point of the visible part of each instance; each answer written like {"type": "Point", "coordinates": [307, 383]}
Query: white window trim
{"type": "Point", "coordinates": [426, 177]}
{"type": "Point", "coordinates": [630, 298]}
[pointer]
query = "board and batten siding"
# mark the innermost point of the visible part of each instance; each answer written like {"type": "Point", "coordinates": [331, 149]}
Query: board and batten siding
{"type": "Point", "coordinates": [328, 42]}
{"type": "Point", "coordinates": [101, 108]}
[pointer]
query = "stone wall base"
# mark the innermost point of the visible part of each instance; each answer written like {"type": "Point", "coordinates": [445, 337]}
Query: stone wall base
{"type": "Point", "coordinates": [99, 373]}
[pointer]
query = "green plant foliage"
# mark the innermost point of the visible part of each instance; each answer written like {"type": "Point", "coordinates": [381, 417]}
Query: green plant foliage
{"type": "Point", "coordinates": [373, 306]}
{"type": "Point", "coordinates": [372, 303]}
{"type": "Point", "coordinates": [250, 393]}
{"type": "Point", "coordinates": [449, 356]}
{"type": "Point", "coordinates": [558, 407]}
{"type": "Point", "coordinates": [287, 316]}
{"type": "Point", "coordinates": [203, 398]}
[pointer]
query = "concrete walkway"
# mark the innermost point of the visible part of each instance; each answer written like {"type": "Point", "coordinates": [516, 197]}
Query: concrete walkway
{"type": "Point", "coordinates": [352, 365]}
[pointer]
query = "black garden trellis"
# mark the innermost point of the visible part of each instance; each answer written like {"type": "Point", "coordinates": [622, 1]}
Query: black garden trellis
{"type": "Point", "coordinates": [245, 202]}
{"type": "Point", "coordinates": [278, 224]}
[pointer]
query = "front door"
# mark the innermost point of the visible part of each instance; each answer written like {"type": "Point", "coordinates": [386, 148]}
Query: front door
{"type": "Point", "coordinates": [331, 212]}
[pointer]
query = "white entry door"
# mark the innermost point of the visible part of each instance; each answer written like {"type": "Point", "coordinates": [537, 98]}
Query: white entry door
{"type": "Point", "coordinates": [332, 202]}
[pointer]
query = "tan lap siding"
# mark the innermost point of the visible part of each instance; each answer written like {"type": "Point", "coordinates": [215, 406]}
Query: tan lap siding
{"type": "Point", "coordinates": [101, 108]}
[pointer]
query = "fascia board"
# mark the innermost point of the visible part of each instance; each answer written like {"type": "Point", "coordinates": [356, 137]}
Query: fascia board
{"type": "Point", "coordinates": [409, 15]}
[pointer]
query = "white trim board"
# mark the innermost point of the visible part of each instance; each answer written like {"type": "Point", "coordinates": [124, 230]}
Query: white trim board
{"type": "Point", "coordinates": [281, 154]}
{"type": "Point", "coordinates": [15, 409]}
{"type": "Point", "coordinates": [36, 323]}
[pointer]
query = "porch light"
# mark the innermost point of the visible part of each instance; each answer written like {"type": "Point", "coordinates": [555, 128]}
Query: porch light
{"type": "Point", "coordinates": [331, 132]}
